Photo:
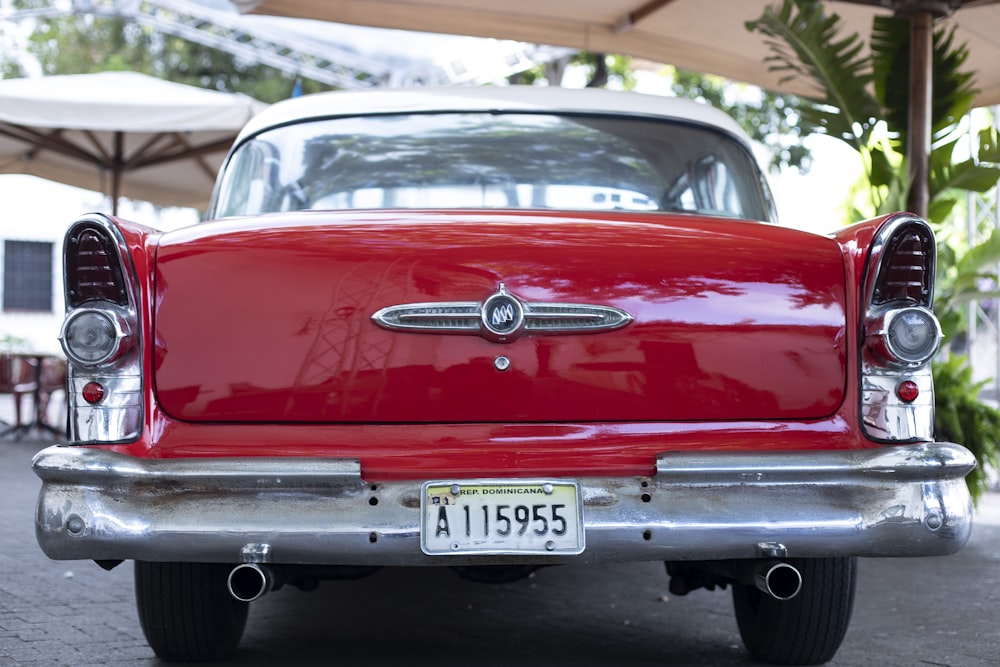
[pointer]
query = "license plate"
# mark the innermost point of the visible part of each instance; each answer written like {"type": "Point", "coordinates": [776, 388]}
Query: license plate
{"type": "Point", "coordinates": [506, 517]}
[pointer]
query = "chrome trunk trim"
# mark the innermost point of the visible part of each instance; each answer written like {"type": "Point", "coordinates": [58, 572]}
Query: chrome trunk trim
{"type": "Point", "coordinates": [501, 317]}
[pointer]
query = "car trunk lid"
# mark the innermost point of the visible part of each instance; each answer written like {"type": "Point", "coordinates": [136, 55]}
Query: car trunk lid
{"type": "Point", "coordinates": [271, 319]}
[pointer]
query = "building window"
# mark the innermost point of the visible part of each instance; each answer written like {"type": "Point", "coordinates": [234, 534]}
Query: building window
{"type": "Point", "coordinates": [27, 276]}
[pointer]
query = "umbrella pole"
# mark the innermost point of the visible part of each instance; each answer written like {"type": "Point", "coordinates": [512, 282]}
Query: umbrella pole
{"type": "Point", "coordinates": [115, 184]}
{"type": "Point", "coordinates": [919, 131]}
{"type": "Point", "coordinates": [116, 172]}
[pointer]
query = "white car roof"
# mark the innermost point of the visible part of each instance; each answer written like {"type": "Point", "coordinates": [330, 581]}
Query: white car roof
{"type": "Point", "coordinates": [489, 98]}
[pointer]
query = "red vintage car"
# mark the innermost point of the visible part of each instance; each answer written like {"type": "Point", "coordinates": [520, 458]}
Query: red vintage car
{"type": "Point", "coordinates": [498, 329]}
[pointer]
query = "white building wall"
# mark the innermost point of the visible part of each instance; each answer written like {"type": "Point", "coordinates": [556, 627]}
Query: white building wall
{"type": "Point", "coordinates": [32, 209]}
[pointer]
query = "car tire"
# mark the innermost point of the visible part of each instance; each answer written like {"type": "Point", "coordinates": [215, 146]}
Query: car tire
{"type": "Point", "coordinates": [186, 611]}
{"type": "Point", "coordinates": [807, 629]}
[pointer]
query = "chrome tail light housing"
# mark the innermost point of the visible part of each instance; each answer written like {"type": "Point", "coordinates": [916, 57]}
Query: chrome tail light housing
{"type": "Point", "coordinates": [100, 334]}
{"type": "Point", "coordinates": [899, 333]}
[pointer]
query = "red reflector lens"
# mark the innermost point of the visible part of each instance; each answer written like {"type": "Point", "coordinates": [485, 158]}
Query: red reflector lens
{"type": "Point", "coordinates": [93, 392]}
{"type": "Point", "coordinates": [908, 391]}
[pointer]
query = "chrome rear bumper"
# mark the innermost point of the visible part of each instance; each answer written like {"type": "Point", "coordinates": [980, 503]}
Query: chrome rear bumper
{"type": "Point", "coordinates": [891, 501]}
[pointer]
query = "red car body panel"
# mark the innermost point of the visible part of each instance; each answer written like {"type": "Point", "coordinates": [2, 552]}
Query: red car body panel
{"type": "Point", "coordinates": [462, 451]}
{"type": "Point", "coordinates": [502, 444]}
{"type": "Point", "coordinates": [270, 321]}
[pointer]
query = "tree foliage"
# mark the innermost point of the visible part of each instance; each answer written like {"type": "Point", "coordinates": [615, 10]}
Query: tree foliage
{"type": "Point", "coordinates": [961, 417]}
{"type": "Point", "coordinates": [806, 43]}
{"type": "Point", "coordinates": [771, 119]}
{"type": "Point", "coordinates": [774, 120]}
{"type": "Point", "coordinates": [601, 70]}
{"type": "Point", "coordinates": [858, 93]}
{"type": "Point", "coordinates": [83, 43]}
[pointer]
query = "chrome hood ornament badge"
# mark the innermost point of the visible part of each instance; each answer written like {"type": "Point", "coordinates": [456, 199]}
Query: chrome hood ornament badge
{"type": "Point", "coordinates": [501, 318]}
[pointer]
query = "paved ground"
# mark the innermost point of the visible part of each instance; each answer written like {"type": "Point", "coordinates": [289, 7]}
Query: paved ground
{"type": "Point", "coordinates": [909, 612]}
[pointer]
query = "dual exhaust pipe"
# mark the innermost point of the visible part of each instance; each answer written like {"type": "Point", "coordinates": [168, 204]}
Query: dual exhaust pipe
{"type": "Point", "coordinates": [780, 580]}
{"type": "Point", "coordinates": [249, 581]}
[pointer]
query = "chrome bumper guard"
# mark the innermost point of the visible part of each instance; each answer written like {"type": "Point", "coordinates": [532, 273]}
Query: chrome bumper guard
{"type": "Point", "coordinates": [890, 501]}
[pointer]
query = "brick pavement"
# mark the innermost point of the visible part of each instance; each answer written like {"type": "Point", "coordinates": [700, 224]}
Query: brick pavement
{"type": "Point", "coordinates": [909, 611]}
{"type": "Point", "coordinates": [65, 613]}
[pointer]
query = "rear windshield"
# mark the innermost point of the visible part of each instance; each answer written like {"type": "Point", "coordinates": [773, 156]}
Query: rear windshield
{"type": "Point", "coordinates": [493, 160]}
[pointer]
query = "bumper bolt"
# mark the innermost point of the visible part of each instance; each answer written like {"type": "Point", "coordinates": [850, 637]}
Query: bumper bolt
{"type": "Point", "coordinates": [75, 525]}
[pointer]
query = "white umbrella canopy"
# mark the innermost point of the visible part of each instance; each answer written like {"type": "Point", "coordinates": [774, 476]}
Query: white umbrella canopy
{"type": "Point", "coordinates": [701, 35]}
{"type": "Point", "coordinates": [121, 133]}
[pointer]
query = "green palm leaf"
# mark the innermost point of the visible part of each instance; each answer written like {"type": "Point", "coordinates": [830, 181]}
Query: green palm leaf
{"type": "Point", "coordinates": [961, 417]}
{"type": "Point", "coordinates": [804, 43]}
{"type": "Point", "coordinates": [954, 91]}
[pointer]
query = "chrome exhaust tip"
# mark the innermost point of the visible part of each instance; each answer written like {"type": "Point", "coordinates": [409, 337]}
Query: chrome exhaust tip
{"type": "Point", "coordinates": [249, 581]}
{"type": "Point", "coordinates": [778, 579]}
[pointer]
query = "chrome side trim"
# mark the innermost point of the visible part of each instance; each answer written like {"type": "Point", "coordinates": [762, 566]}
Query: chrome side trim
{"type": "Point", "coordinates": [85, 465]}
{"type": "Point", "coordinates": [890, 501]}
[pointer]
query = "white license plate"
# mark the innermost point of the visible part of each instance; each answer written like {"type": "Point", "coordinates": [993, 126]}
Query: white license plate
{"type": "Point", "coordinates": [510, 517]}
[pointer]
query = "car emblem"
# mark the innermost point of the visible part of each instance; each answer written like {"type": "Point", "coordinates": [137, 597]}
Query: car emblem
{"type": "Point", "coordinates": [503, 315]}
{"type": "Point", "coordinates": [501, 318]}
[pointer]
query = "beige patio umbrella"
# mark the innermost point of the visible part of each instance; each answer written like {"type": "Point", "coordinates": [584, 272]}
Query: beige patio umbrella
{"type": "Point", "coordinates": [121, 133]}
{"type": "Point", "coordinates": [701, 35]}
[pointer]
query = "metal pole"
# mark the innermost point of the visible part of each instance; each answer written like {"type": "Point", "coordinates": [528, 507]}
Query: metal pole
{"type": "Point", "coordinates": [919, 131]}
{"type": "Point", "coordinates": [117, 167]}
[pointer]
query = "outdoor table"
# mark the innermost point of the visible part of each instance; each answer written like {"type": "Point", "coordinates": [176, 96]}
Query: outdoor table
{"type": "Point", "coordinates": [36, 422]}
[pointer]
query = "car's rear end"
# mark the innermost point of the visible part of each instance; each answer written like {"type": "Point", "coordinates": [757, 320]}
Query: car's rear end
{"type": "Point", "coordinates": [593, 355]}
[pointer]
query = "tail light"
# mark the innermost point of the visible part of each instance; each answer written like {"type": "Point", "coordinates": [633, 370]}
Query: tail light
{"type": "Point", "coordinates": [99, 334]}
{"type": "Point", "coordinates": [904, 337]}
{"type": "Point", "coordinates": [900, 334]}
{"type": "Point", "coordinates": [905, 268]}
{"type": "Point", "coordinates": [93, 267]}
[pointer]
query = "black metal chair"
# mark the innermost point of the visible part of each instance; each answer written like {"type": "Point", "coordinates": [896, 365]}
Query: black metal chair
{"type": "Point", "coordinates": [17, 378]}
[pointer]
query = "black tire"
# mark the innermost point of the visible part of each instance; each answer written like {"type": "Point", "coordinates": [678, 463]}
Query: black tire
{"type": "Point", "coordinates": [186, 611]}
{"type": "Point", "coordinates": [806, 630]}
